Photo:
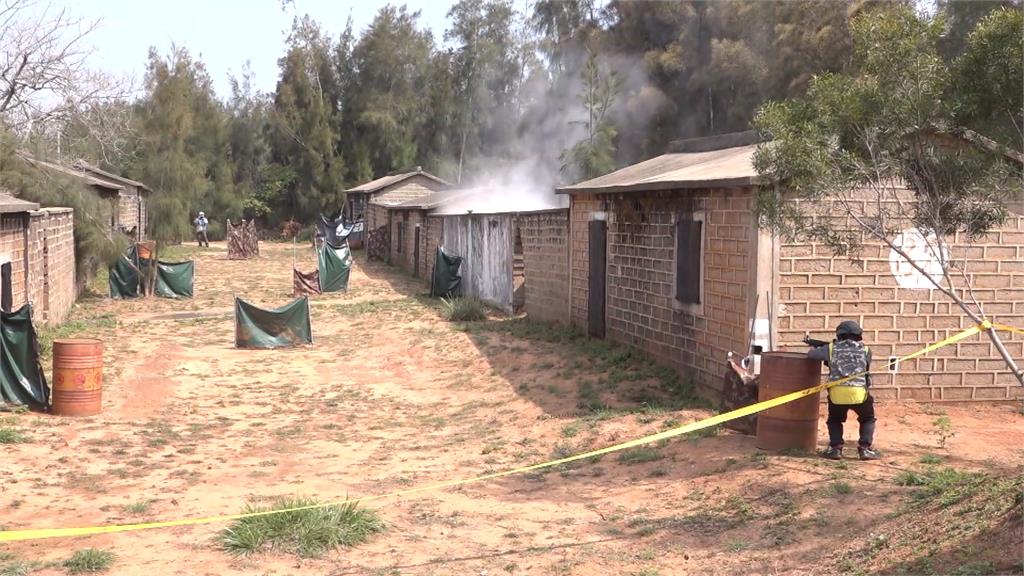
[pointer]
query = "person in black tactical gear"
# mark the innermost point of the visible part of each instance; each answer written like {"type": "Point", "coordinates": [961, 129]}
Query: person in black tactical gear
{"type": "Point", "coordinates": [848, 356]}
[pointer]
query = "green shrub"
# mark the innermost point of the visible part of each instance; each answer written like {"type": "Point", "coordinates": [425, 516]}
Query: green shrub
{"type": "Point", "coordinates": [464, 309]}
{"type": "Point", "coordinates": [12, 436]}
{"type": "Point", "coordinates": [89, 560]}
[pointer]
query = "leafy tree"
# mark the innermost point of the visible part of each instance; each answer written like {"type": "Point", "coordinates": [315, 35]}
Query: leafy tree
{"type": "Point", "coordinates": [487, 73]}
{"type": "Point", "coordinates": [246, 133]}
{"type": "Point", "coordinates": [93, 248]}
{"type": "Point", "coordinates": [594, 155]}
{"type": "Point", "coordinates": [391, 63]}
{"type": "Point", "coordinates": [866, 154]}
{"type": "Point", "coordinates": [989, 78]}
{"type": "Point", "coordinates": [305, 114]}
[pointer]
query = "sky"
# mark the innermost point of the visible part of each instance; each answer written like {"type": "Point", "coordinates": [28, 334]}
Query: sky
{"type": "Point", "coordinates": [222, 33]}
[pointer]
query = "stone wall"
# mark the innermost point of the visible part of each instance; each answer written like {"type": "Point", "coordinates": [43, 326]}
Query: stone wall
{"type": "Point", "coordinates": [545, 237]}
{"type": "Point", "coordinates": [817, 291]}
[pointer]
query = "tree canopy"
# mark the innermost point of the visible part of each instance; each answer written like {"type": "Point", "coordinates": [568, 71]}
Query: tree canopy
{"type": "Point", "coordinates": [582, 84]}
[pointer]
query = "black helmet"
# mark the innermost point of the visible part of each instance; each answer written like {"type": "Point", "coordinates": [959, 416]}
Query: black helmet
{"type": "Point", "coordinates": [848, 328]}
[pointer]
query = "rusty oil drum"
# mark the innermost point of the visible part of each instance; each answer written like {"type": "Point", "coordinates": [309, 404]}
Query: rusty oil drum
{"type": "Point", "coordinates": [793, 425]}
{"type": "Point", "coordinates": [77, 376]}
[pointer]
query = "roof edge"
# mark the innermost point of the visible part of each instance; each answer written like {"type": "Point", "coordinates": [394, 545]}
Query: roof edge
{"type": "Point", "coordinates": [660, 186]}
{"type": "Point", "coordinates": [716, 142]}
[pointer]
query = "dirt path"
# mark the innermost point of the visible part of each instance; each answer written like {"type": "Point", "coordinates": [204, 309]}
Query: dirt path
{"type": "Point", "coordinates": [390, 397]}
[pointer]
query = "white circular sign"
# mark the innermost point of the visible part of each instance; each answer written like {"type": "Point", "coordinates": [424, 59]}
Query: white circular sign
{"type": "Point", "coordinates": [925, 252]}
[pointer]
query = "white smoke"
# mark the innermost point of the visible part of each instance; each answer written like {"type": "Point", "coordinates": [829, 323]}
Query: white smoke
{"type": "Point", "coordinates": [553, 121]}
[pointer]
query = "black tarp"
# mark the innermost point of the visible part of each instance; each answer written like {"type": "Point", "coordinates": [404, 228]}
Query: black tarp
{"type": "Point", "coordinates": [22, 381]}
{"type": "Point", "coordinates": [446, 281]}
{"type": "Point", "coordinates": [333, 230]}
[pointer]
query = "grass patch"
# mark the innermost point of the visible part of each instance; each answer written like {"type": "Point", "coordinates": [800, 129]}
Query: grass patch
{"type": "Point", "coordinates": [307, 533]}
{"type": "Point", "coordinates": [944, 486]}
{"type": "Point", "coordinates": [12, 436]}
{"type": "Point", "coordinates": [71, 328]}
{"type": "Point", "coordinates": [841, 488]}
{"type": "Point", "coordinates": [19, 567]}
{"type": "Point", "coordinates": [640, 455]}
{"type": "Point", "coordinates": [138, 508]}
{"type": "Point", "coordinates": [665, 389]}
{"type": "Point", "coordinates": [464, 309]}
{"type": "Point", "coordinates": [378, 306]}
{"type": "Point", "coordinates": [89, 560]}
{"type": "Point", "coordinates": [930, 459]}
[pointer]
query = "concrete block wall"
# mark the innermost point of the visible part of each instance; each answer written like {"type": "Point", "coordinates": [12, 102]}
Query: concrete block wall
{"type": "Point", "coordinates": [641, 307]}
{"type": "Point", "coordinates": [12, 248]}
{"type": "Point", "coordinates": [817, 291]}
{"type": "Point", "coordinates": [430, 238]}
{"type": "Point", "coordinates": [376, 216]}
{"type": "Point", "coordinates": [545, 237]}
{"type": "Point", "coordinates": [44, 240]}
{"type": "Point", "coordinates": [128, 208]}
{"type": "Point", "coordinates": [52, 263]}
{"type": "Point", "coordinates": [144, 222]}
{"type": "Point", "coordinates": [406, 259]}
{"type": "Point", "coordinates": [581, 208]}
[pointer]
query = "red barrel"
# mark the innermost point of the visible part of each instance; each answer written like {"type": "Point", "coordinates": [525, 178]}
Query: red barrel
{"type": "Point", "coordinates": [793, 425]}
{"type": "Point", "coordinates": [77, 376]}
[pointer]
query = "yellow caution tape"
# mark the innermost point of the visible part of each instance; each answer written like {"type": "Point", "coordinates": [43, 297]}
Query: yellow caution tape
{"type": "Point", "coordinates": [41, 533]}
{"type": "Point", "coordinates": [1005, 328]}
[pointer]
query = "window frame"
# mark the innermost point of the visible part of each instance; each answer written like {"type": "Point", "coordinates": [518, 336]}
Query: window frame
{"type": "Point", "coordinates": [695, 308]}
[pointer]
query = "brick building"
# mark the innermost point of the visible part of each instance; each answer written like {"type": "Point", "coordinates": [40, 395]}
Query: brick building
{"type": "Point", "coordinates": [414, 236]}
{"type": "Point", "coordinates": [37, 258]}
{"type": "Point", "coordinates": [124, 209]}
{"type": "Point", "coordinates": [666, 256]}
{"type": "Point", "coordinates": [513, 247]}
{"type": "Point", "coordinates": [130, 211]}
{"type": "Point", "coordinates": [369, 201]}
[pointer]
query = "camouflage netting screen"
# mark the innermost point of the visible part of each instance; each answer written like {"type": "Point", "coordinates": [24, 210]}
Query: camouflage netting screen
{"type": "Point", "coordinates": [276, 328]}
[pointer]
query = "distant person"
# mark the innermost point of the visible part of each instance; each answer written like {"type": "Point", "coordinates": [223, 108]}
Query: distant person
{"type": "Point", "coordinates": [847, 356]}
{"type": "Point", "coordinates": [202, 224]}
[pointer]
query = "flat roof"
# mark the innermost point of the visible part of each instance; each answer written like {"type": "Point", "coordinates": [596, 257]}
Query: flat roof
{"type": "Point", "coordinates": [10, 204]}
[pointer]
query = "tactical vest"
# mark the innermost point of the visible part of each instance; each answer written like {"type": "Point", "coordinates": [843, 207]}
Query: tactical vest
{"type": "Point", "coordinates": [846, 358]}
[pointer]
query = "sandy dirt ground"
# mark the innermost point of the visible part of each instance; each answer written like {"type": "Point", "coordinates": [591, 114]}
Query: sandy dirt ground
{"type": "Point", "coordinates": [391, 396]}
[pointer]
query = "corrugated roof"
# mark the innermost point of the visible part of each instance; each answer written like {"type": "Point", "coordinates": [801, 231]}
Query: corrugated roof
{"type": "Point", "coordinates": [727, 167]}
{"type": "Point", "coordinates": [384, 182]}
{"type": "Point", "coordinates": [86, 167]}
{"type": "Point", "coordinates": [501, 201]}
{"type": "Point", "coordinates": [10, 204]}
{"type": "Point", "coordinates": [430, 201]}
{"type": "Point", "coordinates": [89, 179]}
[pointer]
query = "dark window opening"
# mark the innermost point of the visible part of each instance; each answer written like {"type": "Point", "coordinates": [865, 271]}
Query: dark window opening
{"type": "Point", "coordinates": [688, 260]}
{"type": "Point", "coordinates": [400, 237]}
